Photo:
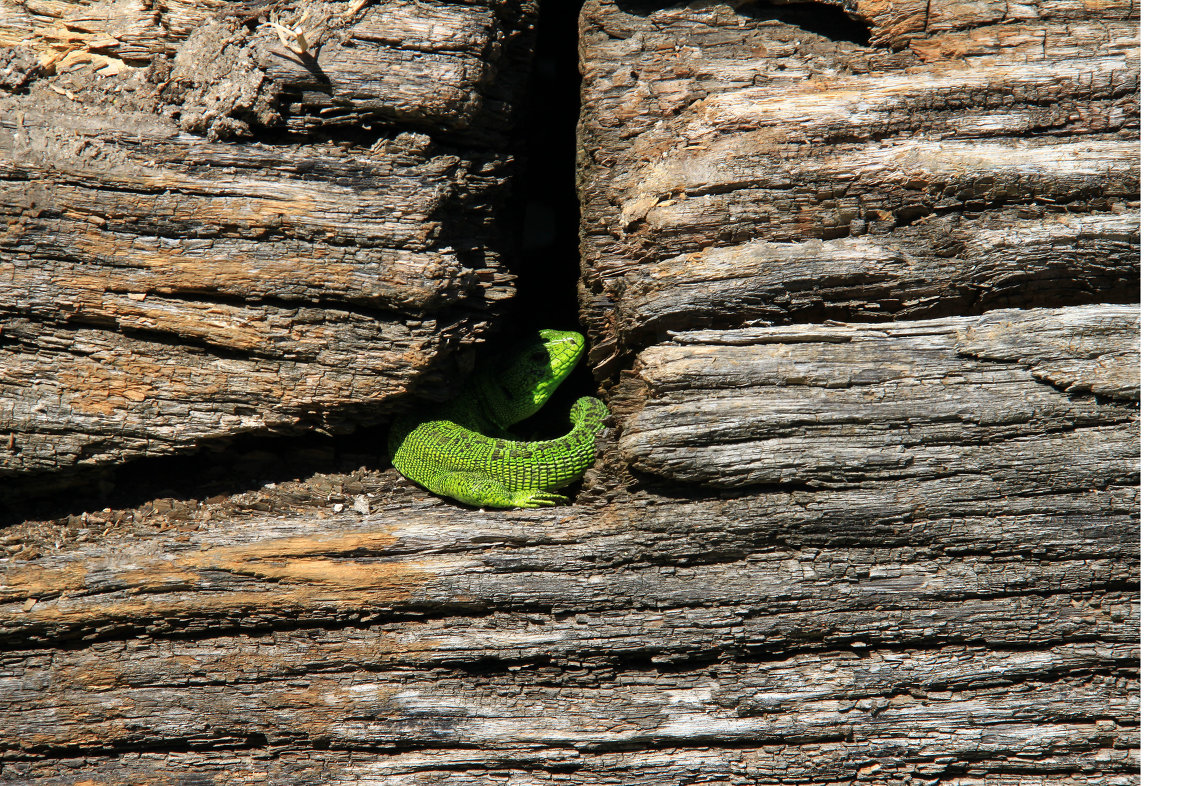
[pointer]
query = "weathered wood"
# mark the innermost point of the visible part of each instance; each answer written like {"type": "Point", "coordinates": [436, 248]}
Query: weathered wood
{"type": "Point", "coordinates": [817, 406]}
{"type": "Point", "coordinates": [934, 618]}
{"type": "Point", "coordinates": [261, 572]}
{"type": "Point", "coordinates": [898, 549]}
{"type": "Point", "coordinates": [861, 628]}
{"type": "Point", "coordinates": [439, 66]}
{"type": "Point", "coordinates": [590, 604]}
{"type": "Point", "coordinates": [717, 134]}
{"type": "Point", "coordinates": [281, 695]}
{"type": "Point", "coordinates": [826, 762]}
{"type": "Point", "coordinates": [159, 291]}
{"type": "Point", "coordinates": [946, 265]}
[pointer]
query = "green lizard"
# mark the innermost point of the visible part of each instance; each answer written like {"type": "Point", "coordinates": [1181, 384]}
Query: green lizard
{"type": "Point", "coordinates": [462, 450]}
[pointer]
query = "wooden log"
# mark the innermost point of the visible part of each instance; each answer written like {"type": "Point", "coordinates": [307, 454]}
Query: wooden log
{"type": "Point", "coordinates": [906, 627]}
{"type": "Point", "coordinates": [966, 610]}
{"type": "Point", "coordinates": [188, 694]}
{"type": "Point", "coordinates": [820, 406]}
{"type": "Point", "coordinates": [441, 66]}
{"type": "Point", "coordinates": [947, 265]}
{"type": "Point", "coordinates": [897, 549]}
{"type": "Point", "coordinates": [782, 762]}
{"type": "Point", "coordinates": [718, 133]}
{"type": "Point", "coordinates": [258, 572]}
{"type": "Point", "coordinates": [160, 291]}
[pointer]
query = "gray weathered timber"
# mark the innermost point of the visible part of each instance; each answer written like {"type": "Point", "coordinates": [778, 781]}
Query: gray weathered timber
{"type": "Point", "coordinates": [720, 138]}
{"type": "Point", "coordinates": [164, 286]}
{"type": "Point", "coordinates": [823, 762]}
{"type": "Point", "coordinates": [817, 560]}
{"type": "Point", "coordinates": [999, 262]}
{"type": "Point", "coordinates": [813, 405]}
{"type": "Point", "coordinates": [802, 700]}
{"type": "Point", "coordinates": [900, 548]}
{"type": "Point", "coordinates": [888, 623]}
{"type": "Point", "coordinates": [902, 622]}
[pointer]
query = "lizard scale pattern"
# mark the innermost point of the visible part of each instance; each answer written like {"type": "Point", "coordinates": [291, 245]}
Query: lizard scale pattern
{"type": "Point", "coordinates": [463, 449]}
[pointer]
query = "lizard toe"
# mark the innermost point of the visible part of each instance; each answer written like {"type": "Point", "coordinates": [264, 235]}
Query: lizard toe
{"type": "Point", "coordinates": [538, 499]}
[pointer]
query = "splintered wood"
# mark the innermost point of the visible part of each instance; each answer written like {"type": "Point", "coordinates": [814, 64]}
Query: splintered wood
{"type": "Point", "coordinates": [160, 290]}
{"type": "Point", "coordinates": [987, 160]}
{"type": "Point", "coordinates": [860, 279]}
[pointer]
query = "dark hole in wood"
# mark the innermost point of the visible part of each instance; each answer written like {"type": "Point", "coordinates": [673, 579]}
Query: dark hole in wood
{"type": "Point", "coordinates": [548, 256]}
{"type": "Point", "coordinates": [826, 19]}
{"type": "Point", "coordinates": [228, 467]}
{"type": "Point", "coordinates": [548, 259]}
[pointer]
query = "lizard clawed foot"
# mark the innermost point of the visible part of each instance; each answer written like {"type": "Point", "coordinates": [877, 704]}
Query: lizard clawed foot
{"type": "Point", "coordinates": [537, 499]}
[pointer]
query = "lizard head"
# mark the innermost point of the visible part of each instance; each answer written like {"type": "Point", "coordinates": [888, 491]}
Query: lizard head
{"type": "Point", "coordinates": [523, 382]}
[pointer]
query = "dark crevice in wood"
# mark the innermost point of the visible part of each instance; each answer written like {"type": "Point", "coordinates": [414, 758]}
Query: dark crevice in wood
{"type": "Point", "coordinates": [223, 467]}
{"type": "Point", "coordinates": [546, 214]}
{"type": "Point", "coordinates": [823, 18]}
{"type": "Point", "coordinates": [826, 18]}
{"type": "Point", "coordinates": [359, 135]}
{"type": "Point", "coordinates": [250, 741]}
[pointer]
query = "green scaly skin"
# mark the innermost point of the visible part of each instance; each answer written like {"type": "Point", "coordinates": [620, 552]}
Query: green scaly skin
{"type": "Point", "coordinates": [462, 451]}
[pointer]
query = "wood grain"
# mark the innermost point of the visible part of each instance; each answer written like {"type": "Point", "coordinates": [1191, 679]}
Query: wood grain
{"type": "Point", "coordinates": [896, 548]}
{"type": "Point", "coordinates": [716, 133]}
{"type": "Point", "coordinates": [817, 406]}
{"type": "Point", "coordinates": [163, 287]}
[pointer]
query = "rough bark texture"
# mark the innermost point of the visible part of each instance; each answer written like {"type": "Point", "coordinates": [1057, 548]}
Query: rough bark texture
{"type": "Point", "coordinates": [819, 406]}
{"type": "Point", "coordinates": [973, 156]}
{"type": "Point", "coordinates": [920, 632]}
{"type": "Point", "coordinates": [899, 548]}
{"type": "Point", "coordinates": [160, 290]}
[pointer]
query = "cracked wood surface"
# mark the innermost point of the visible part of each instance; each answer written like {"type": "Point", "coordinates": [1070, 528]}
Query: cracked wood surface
{"type": "Point", "coordinates": [793, 619]}
{"type": "Point", "coordinates": [164, 286]}
{"type": "Point", "coordinates": [897, 549]}
{"type": "Point", "coordinates": [818, 406]}
{"type": "Point", "coordinates": [969, 168]}
{"type": "Point", "coordinates": [977, 614]}
{"type": "Point", "coordinates": [739, 169]}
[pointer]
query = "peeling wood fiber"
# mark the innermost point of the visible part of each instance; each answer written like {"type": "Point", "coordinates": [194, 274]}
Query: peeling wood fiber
{"type": "Point", "coordinates": [862, 296]}
{"type": "Point", "coordinates": [739, 169]}
{"type": "Point", "coordinates": [164, 286]}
